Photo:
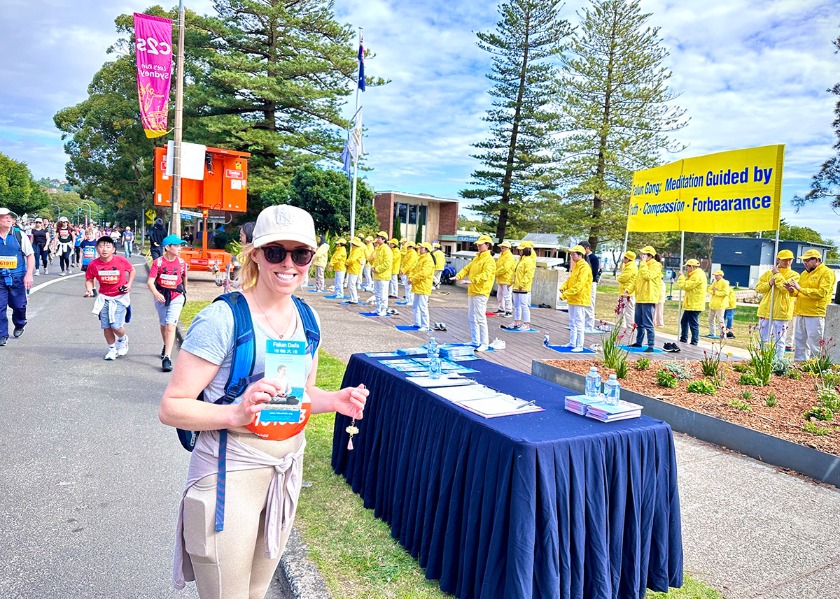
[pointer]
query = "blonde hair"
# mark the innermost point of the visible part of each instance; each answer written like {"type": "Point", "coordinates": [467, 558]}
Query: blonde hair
{"type": "Point", "coordinates": [249, 272]}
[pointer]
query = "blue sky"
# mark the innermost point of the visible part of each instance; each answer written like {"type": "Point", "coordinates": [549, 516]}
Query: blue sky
{"type": "Point", "coordinates": [749, 73]}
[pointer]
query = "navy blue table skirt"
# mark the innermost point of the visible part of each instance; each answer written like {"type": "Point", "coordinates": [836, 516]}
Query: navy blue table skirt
{"type": "Point", "coordinates": [548, 504]}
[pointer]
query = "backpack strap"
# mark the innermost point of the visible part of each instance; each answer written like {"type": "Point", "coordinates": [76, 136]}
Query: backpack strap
{"type": "Point", "coordinates": [310, 325]}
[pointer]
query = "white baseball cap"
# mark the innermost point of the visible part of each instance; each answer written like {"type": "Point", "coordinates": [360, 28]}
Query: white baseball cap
{"type": "Point", "coordinates": [4, 211]}
{"type": "Point", "coordinates": [284, 223]}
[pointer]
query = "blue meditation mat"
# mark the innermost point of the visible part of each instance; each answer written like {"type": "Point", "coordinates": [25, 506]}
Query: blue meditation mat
{"type": "Point", "coordinates": [369, 313]}
{"type": "Point", "coordinates": [640, 350]}
{"type": "Point", "coordinates": [312, 291]}
{"type": "Point", "coordinates": [335, 296]}
{"type": "Point", "coordinates": [406, 327]}
{"type": "Point", "coordinates": [590, 331]}
{"type": "Point", "coordinates": [567, 350]}
{"type": "Point", "coordinates": [531, 330]}
{"type": "Point", "coordinates": [711, 336]}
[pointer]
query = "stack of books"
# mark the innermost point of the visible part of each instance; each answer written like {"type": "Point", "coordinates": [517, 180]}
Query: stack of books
{"type": "Point", "coordinates": [579, 404]}
{"type": "Point", "coordinates": [413, 351]}
{"type": "Point", "coordinates": [598, 410]}
{"type": "Point", "coordinates": [457, 350]}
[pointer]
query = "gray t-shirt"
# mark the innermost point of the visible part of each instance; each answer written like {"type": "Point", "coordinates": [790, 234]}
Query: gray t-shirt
{"type": "Point", "coordinates": [210, 337]}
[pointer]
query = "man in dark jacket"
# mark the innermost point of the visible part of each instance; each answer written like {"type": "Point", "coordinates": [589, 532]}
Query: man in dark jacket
{"type": "Point", "coordinates": [595, 265]}
{"type": "Point", "coordinates": [156, 235]}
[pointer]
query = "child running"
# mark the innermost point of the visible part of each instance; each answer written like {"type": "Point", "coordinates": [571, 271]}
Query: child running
{"type": "Point", "coordinates": [115, 275]}
{"type": "Point", "coordinates": [167, 282]}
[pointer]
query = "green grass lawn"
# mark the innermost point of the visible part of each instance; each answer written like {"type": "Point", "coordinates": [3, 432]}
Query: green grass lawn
{"type": "Point", "coordinates": [353, 550]}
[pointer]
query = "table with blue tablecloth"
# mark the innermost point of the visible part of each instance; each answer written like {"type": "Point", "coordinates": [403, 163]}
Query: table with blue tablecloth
{"type": "Point", "coordinates": [546, 504]}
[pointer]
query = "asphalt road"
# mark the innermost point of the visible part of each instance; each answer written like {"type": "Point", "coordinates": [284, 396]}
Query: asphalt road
{"type": "Point", "coordinates": [90, 479]}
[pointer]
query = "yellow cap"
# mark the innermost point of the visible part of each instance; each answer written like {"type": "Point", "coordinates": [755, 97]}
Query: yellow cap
{"type": "Point", "coordinates": [340, 240]}
{"type": "Point", "coordinates": [578, 249]}
{"type": "Point", "coordinates": [357, 242]}
{"type": "Point", "coordinates": [718, 272]}
{"type": "Point", "coordinates": [484, 239]}
{"type": "Point", "coordinates": [504, 244]}
{"type": "Point", "coordinates": [394, 241]}
{"type": "Point", "coordinates": [811, 254]}
{"type": "Point", "coordinates": [526, 244]}
{"type": "Point", "coordinates": [648, 249]}
{"type": "Point", "coordinates": [382, 234]}
{"type": "Point", "coordinates": [630, 255]}
{"type": "Point", "coordinates": [436, 245]}
{"type": "Point", "coordinates": [426, 245]}
{"type": "Point", "coordinates": [403, 240]}
{"type": "Point", "coordinates": [785, 255]}
{"type": "Point", "coordinates": [368, 238]}
{"type": "Point", "coordinates": [409, 244]}
{"type": "Point", "coordinates": [692, 262]}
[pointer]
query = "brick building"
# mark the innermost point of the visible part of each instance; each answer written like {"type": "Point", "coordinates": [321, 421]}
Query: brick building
{"type": "Point", "coordinates": [429, 215]}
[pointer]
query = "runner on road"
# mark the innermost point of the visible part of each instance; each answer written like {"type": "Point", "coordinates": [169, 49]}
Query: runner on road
{"type": "Point", "coordinates": [167, 282]}
{"type": "Point", "coordinates": [17, 261]}
{"type": "Point", "coordinates": [115, 275]}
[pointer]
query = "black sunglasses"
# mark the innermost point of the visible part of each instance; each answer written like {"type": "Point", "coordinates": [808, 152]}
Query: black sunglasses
{"type": "Point", "coordinates": [276, 254]}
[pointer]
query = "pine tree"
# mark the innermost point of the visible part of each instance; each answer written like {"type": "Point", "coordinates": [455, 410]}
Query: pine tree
{"type": "Point", "coordinates": [528, 39]}
{"type": "Point", "coordinates": [826, 183]}
{"type": "Point", "coordinates": [617, 113]}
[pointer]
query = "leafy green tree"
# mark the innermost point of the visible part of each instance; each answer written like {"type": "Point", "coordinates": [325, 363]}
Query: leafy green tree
{"type": "Point", "coordinates": [326, 195]}
{"type": "Point", "coordinates": [617, 114]}
{"type": "Point", "coordinates": [527, 41]}
{"type": "Point", "coordinates": [18, 190]}
{"type": "Point", "coordinates": [826, 183]}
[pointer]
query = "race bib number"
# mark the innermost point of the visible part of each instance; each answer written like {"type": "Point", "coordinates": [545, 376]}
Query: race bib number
{"type": "Point", "coordinates": [109, 277]}
{"type": "Point", "coordinates": [9, 262]}
{"type": "Point", "coordinates": [168, 281]}
{"type": "Point", "coordinates": [89, 252]}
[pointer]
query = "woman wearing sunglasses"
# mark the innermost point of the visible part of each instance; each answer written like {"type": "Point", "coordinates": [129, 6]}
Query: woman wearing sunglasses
{"type": "Point", "coordinates": [264, 462]}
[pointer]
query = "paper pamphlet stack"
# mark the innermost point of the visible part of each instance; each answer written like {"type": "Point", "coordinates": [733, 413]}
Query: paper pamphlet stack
{"type": "Point", "coordinates": [413, 351]}
{"type": "Point", "coordinates": [457, 350]}
{"type": "Point", "coordinates": [485, 401]}
{"type": "Point", "coordinates": [597, 409]}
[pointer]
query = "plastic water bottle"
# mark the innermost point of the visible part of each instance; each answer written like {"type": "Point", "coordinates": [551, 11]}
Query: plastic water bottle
{"type": "Point", "coordinates": [434, 359]}
{"type": "Point", "coordinates": [593, 383]}
{"type": "Point", "coordinates": [612, 391]}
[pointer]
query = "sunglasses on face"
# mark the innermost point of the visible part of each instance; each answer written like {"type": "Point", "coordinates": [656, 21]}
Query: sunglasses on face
{"type": "Point", "coordinates": [275, 254]}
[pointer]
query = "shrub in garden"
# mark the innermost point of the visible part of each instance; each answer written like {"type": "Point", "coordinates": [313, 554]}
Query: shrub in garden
{"type": "Point", "coordinates": [678, 369]}
{"type": "Point", "coordinates": [666, 378]}
{"type": "Point", "coordinates": [762, 356]}
{"type": "Point", "coordinates": [829, 398]}
{"type": "Point", "coordinates": [704, 386]}
{"type": "Point", "coordinates": [749, 378]}
{"type": "Point", "coordinates": [819, 413]}
{"type": "Point", "coordinates": [642, 363]}
{"type": "Point", "coordinates": [770, 401]}
{"type": "Point", "coordinates": [740, 405]}
{"type": "Point", "coordinates": [812, 428]}
{"type": "Point", "coordinates": [782, 366]}
{"type": "Point", "coordinates": [746, 394]}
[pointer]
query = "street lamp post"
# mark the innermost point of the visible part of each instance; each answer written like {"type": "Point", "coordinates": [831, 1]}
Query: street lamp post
{"type": "Point", "coordinates": [57, 207]}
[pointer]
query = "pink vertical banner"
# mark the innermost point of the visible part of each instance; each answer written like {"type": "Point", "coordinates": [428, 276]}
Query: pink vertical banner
{"type": "Point", "coordinates": [153, 44]}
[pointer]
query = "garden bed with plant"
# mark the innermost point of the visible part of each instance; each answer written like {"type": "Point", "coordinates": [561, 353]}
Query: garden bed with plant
{"type": "Point", "coordinates": [798, 403]}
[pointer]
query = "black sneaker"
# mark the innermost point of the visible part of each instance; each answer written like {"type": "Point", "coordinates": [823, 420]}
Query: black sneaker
{"type": "Point", "coordinates": [730, 335]}
{"type": "Point", "coordinates": [163, 352]}
{"type": "Point", "coordinates": [18, 332]}
{"type": "Point", "coordinates": [166, 364]}
{"type": "Point", "coordinates": [635, 345]}
{"type": "Point", "coordinates": [648, 349]}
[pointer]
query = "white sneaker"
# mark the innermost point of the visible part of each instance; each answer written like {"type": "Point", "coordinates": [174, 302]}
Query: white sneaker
{"type": "Point", "coordinates": [568, 345]}
{"type": "Point", "coordinates": [122, 346]}
{"type": "Point", "coordinates": [37, 272]}
{"type": "Point", "coordinates": [112, 353]}
{"type": "Point", "coordinates": [481, 347]}
{"type": "Point", "coordinates": [423, 330]}
{"type": "Point", "coordinates": [577, 350]}
{"type": "Point", "coordinates": [381, 314]}
{"type": "Point", "coordinates": [524, 327]}
{"type": "Point", "coordinates": [498, 344]}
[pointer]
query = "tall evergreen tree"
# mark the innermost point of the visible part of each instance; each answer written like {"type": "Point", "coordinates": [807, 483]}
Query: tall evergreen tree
{"type": "Point", "coordinates": [617, 114]}
{"type": "Point", "coordinates": [826, 183]}
{"type": "Point", "coordinates": [527, 41]}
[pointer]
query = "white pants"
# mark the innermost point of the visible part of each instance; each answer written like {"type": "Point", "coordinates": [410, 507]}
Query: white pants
{"type": "Point", "coordinates": [716, 325]}
{"type": "Point", "coordinates": [367, 280]}
{"type": "Point", "coordinates": [352, 289]}
{"type": "Point", "coordinates": [522, 308]}
{"type": "Point", "coordinates": [777, 334]}
{"type": "Point", "coordinates": [319, 278]}
{"type": "Point", "coordinates": [394, 288]}
{"type": "Point", "coordinates": [409, 296]}
{"type": "Point", "coordinates": [589, 311]}
{"type": "Point", "coordinates": [380, 290]}
{"type": "Point", "coordinates": [577, 319]}
{"type": "Point", "coordinates": [503, 299]}
{"type": "Point", "coordinates": [436, 283]}
{"type": "Point", "coordinates": [629, 313]}
{"type": "Point", "coordinates": [809, 333]}
{"type": "Point", "coordinates": [791, 330]}
{"type": "Point", "coordinates": [421, 310]}
{"type": "Point", "coordinates": [339, 283]}
{"type": "Point", "coordinates": [477, 315]}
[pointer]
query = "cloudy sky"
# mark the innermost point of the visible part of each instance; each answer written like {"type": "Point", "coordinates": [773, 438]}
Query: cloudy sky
{"type": "Point", "coordinates": [750, 73]}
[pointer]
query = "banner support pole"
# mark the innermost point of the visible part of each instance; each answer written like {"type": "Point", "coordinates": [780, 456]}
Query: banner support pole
{"type": "Point", "coordinates": [682, 293]}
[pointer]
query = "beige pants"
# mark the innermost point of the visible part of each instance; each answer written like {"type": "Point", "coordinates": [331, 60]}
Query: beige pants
{"type": "Point", "coordinates": [231, 564]}
{"type": "Point", "coordinates": [716, 324]}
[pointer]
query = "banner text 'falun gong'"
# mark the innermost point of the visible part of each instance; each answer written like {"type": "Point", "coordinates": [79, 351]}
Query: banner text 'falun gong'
{"type": "Point", "coordinates": [728, 192]}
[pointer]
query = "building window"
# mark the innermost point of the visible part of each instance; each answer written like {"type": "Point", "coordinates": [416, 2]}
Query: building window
{"type": "Point", "coordinates": [402, 212]}
{"type": "Point", "coordinates": [412, 214]}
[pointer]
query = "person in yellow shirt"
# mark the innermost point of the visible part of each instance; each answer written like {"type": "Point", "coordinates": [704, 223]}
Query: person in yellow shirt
{"type": "Point", "coordinates": [813, 292]}
{"type": "Point", "coordinates": [577, 291]}
{"type": "Point", "coordinates": [409, 259]}
{"type": "Point", "coordinates": [479, 274]}
{"type": "Point", "coordinates": [396, 262]}
{"type": "Point", "coordinates": [367, 279]}
{"type": "Point", "coordinates": [338, 264]}
{"type": "Point", "coordinates": [693, 285]}
{"type": "Point", "coordinates": [319, 261]}
{"type": "Point", "coordinates": [440, 263]}
{"type": "Point", "coordinates": [626, 287]}
{"type": "Point", "coordinates": [729, 315]}
{"type": "Point", "coordinates": [777, 301]}
{"type": "Point", "coordinates": [718, 300]}
{"type": "Point", "coordinates": [420, 278]}
{"type": "Point", "coordinates": [381, 267]}
{"type": "Point", "coordinates": [504, 277]}
{"type": "Point", "coordinates": [648, 289]}
{"type": "Point", "coordinates": [354, 268]}
{"type": "Point", "coordinates": [523, 278]}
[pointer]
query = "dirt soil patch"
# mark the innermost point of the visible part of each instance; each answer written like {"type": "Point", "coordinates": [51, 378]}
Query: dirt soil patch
{"type": "Point", "coordinates": [785, 420]}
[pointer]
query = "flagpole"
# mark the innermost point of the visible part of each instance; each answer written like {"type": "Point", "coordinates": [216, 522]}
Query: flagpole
{"type": "Point", "coordinates": [359, 157]}
{"type": "Point", "coordinates": [175, 220]}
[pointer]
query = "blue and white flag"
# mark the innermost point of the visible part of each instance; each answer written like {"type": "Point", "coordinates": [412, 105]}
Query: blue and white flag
{"type": "Point", "coordinates": [362, 62]}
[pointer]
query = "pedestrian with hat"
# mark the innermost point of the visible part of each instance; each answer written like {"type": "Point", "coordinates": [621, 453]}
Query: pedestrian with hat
{"type": "Point", "coordinates": [718, 300]}
{"type": "Point", "coordinates": [648, 289]}
{"type": "Point", "coordinates": [396, 264]}
{"type": "Point", "coordinates": [156, 235]}
{"type": "Point", "coordinates": [693, 284]}
{"type": "Point", "coordinates": [595, 266]}
{"type": "Point", "coordinates": [627, 288]}
{"type": "Point", "coordinates": [479, 274]}
{"type": "Point", "coordinates": [440, 263]}
{"type": "Point", "coordinates": [576, 292]}
{"type": "Point", "coordinates": [381, 268]}
{"type": "Point", "coordinates": [63, 244]}
{"type": "Point", "coordinates": [523, 278]}
{"type": "Point", "coordinates": [420, 279]}
{"type": "Point", "coordinates": [505, 264]}
{"type": "Point", "coordinates": [168, 283]}
{"type": "Point", "coordinates": [319, 262]}
{"type": "Point", "coordinates": [115, 276]}
{"type": "Point", "coordinates": [338, 262]}
{"type": "Point", "coordinates": [409, 260]}
{"type": "Point", "coordinates": [17, 262]}
{"type": "Point", "coordinates": [367, 278]}
{"type": "Point", "coordinates": [777, 301]}
{"type": "Point", "coordinates": [354, 268]}
{"type": "Point", "coordinates": [813, 293]}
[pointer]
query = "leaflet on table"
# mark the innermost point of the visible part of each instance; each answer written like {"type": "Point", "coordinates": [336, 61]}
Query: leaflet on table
{"type": "Point", "coordinates": [413, 351]}
{"type": "Point", "coordinates": [410, 368]}
{"type": "Point", "coordinates": [500, 404]}
{"type": "Point", "coordinates": [444, 381]}
{"type": "Point", "coordinates": [606, 413]}
{"type": "Point", "coordinates": [579, 404]}
{"type": "Point", "coordinates": [285, 362]}
{"type": "Point", "coordinates": [383, 354]}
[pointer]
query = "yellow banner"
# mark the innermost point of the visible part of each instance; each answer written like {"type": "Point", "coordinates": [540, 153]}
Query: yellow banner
{"type": "Point", "coordinates": [728, 192]}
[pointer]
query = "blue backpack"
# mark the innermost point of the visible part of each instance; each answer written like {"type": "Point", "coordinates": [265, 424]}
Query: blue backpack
{"type": "Point", "coordinates": [241, 375]}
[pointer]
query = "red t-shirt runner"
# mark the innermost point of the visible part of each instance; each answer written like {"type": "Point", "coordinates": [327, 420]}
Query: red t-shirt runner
{"type": "Point", "coordinates": [168, 273]}
{"type": "Point", "coordinates": [111, 275]}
